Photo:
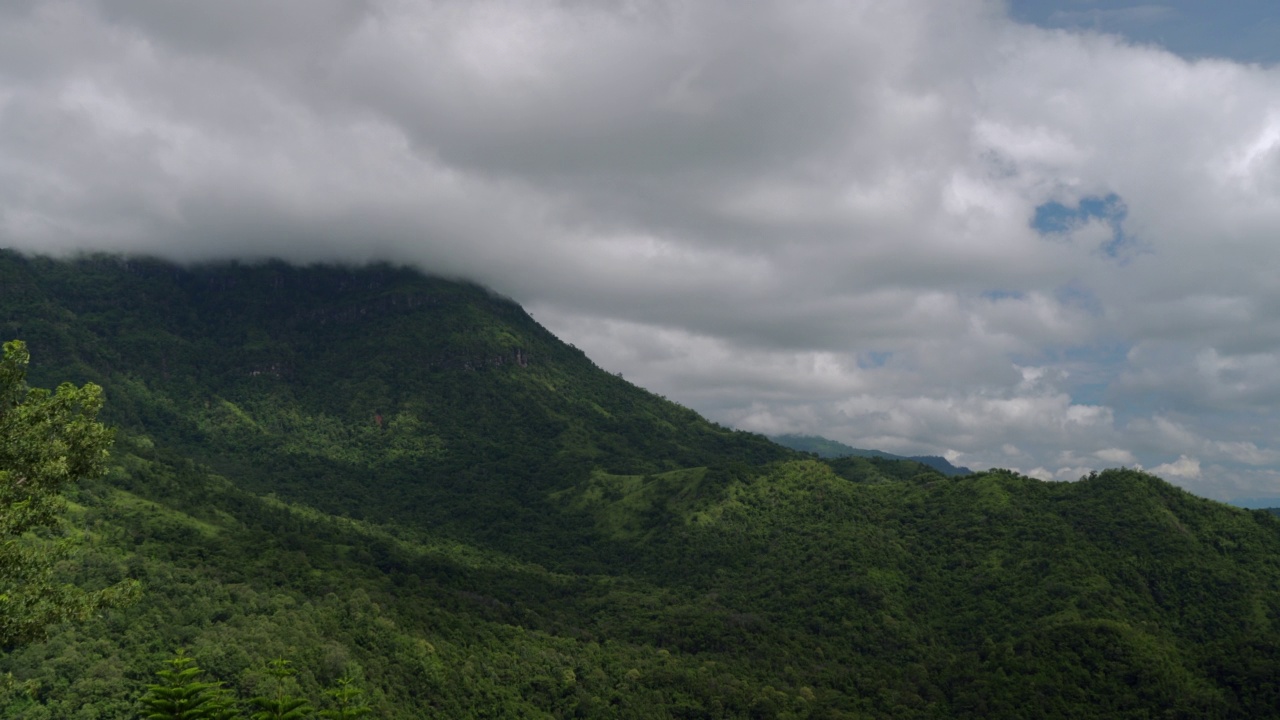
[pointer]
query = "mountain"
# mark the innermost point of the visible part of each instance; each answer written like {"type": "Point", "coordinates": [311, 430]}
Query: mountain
{"type": "Point", "coordinates": [300, 381]}
{"type": "Point", "coordinates": [824, 448]}
{"type": "Point", "coordinates": [1255, 503]}
{"type": "Point", "coordinates": [405, 481]}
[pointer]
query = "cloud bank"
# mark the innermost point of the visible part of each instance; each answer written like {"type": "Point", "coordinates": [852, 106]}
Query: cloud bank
{"type": "Point", "coordinates": [917, 226]}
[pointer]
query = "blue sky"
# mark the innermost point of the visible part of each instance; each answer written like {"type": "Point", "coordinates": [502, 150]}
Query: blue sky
{"type": "Point", "coordinates": [1039, 236]}
{"type": "Point", "coordinates": [1244, 30]}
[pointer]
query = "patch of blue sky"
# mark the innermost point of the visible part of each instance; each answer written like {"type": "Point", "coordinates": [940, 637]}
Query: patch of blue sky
{"type": "Point", "coordinates": [871, 359]}
{"type": "Point", "coordinates": [1090, 394]}
{"type": "Point", "coordinates": [1072, 295]}
{"type": "Point", "coordinates": [998, 295]}
{"type": "Point", "coordinates": [1090, 370]}
{"type": "Point", "coordinates": [1075, 295]}
{"type": "Point", "coordinates": [1056, 219]}
{"type": "Point", "coordinates": [1102, 355]}
{"type": "Point", "coordinates": [1113, 354]}
{"type": "Point", "coordinates": [1241, 30]}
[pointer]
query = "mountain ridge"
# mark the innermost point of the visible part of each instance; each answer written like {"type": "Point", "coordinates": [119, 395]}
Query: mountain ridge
{"type": "Point", "coordinates": [440, 500]}
{"type": "Point", "coordinates": [336, 363]}
{"type": "Point", "coordinates": [826, 448]}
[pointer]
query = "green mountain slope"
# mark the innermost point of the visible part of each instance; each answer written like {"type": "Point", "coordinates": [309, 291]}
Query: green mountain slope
{"type": "Point", "coordinates": [405, 479]}
{"type": "Point", "coordinates": [304, 381]}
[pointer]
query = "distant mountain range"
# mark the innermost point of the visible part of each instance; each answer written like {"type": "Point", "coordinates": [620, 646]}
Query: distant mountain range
{"type": "Point", "coordinates": [1256, 503]}
{"type": "Point", "coordinates": [824, 448]}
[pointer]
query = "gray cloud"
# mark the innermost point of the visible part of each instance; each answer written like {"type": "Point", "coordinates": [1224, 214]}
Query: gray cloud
{"type": "Point", "coordinates": [809, 217]}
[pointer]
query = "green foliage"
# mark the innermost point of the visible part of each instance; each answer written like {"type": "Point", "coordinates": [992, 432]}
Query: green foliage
{"type": "Point", "coordinates": [280, 703]}
{"type": "Point", "coordinates": [181, 695]}
{"type": "Point", "coordinates": [47, 442]}
{"type": "Point", "coordinates": [303, 381]}
{"type": "Point", "coordinates": [407, 481]}
{"type": "Point", "coordinates": [347, 700]}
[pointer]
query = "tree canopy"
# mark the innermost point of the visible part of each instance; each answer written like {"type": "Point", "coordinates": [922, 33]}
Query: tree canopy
{"type": "Point", "coordinates": [48, 440]}
{"type": "Point", "coordinates": [408, 482]}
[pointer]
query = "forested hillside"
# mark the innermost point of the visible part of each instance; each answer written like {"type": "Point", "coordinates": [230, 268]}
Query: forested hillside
{"type": "Point", "coordinates": [406, 483]}
{"type": "Point", "coordinates": [305, 382]}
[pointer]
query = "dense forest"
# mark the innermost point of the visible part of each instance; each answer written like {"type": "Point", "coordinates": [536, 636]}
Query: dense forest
{"type": "Point", "coordinates": [366, 488]}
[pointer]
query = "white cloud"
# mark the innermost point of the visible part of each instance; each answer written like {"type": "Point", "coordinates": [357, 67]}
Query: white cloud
{"type": "Point", "coordinates": [1183, 468]}
{"type": "Point", "coordinates": [1116, 456]}
{"type": "Point", "coordinates": [809, 217]}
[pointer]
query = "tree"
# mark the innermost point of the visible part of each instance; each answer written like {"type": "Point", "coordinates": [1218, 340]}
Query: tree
{"type": "Point", "coordinates": [280, 704]}
{"type": "Point", "coordinates": [347, 699]}
{"type": "Point", "coordinates": [181, 695]}
{"type": "Point", "coordinates": [47, 442]}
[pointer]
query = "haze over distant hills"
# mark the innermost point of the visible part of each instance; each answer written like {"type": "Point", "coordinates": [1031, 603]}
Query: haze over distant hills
{"type": "Point", "coordinates": [825, 448]}
{"type": "Point", "coordinates": [1257, 503]}
{"type": "Point", "coordinates": [407, 482]}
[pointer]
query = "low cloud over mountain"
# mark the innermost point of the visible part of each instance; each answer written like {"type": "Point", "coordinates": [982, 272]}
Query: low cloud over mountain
{"type": "Point", "coordinates": [924, 227]}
